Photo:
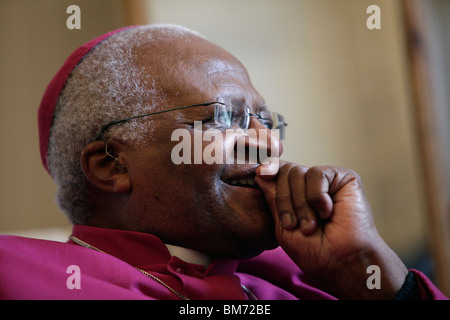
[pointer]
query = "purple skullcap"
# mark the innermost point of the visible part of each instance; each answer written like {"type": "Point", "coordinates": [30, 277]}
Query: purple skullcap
{"type": "Point", "coordinates": [54, 88]}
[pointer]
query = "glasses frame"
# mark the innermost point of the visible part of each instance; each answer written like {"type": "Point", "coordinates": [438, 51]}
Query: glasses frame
{"type": "Point", "coordinates": [99, 136]}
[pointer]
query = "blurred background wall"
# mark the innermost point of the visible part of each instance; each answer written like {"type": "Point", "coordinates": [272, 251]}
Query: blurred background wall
{"type": "Point", "coordinates": [344, 89]}
{"type": "Point", "coordinates": [34, 43]}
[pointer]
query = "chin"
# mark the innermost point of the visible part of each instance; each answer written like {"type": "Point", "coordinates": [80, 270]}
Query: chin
{"type": "Point", "coordinates": [243, 226]}
{"type": "Point", "coordinates": [246, 247]}
{"type": "Point", "coordinates": [250, 253]}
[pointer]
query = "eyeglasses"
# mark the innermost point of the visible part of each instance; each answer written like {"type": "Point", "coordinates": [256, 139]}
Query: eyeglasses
{"type": "Point", "coordinates": [225, 116]}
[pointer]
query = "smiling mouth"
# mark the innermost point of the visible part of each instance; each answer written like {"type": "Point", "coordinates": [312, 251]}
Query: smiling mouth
{"type": "Point", "coordinates": [243, 182]}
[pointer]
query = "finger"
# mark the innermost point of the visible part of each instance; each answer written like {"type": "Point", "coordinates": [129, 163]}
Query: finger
{"type": "Point", "coordinates": [285, 218]}
{"type": "Point", "coordinates": [269, 170]}
{"type": "Point", "coordinates": [283, 200]}
{"type": "Point", "coordinates": [268, 185]}
{"type": "Point", "coordinates": [269, 189]}
{"type": "Point", "coordinates": [318, 180]}
{"type": "Point", "coordinates": [305, 214]}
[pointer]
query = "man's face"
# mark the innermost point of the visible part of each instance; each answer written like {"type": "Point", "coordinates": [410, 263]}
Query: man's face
{"type": "Point", "coordinates": [196, 205]}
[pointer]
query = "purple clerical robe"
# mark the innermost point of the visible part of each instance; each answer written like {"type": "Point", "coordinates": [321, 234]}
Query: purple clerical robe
{"type": "Point", "coordinates": [41, 269]}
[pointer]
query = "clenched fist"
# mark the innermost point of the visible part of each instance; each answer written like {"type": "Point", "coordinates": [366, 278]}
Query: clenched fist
{"type": "Point", "coordinates": [324, 223]}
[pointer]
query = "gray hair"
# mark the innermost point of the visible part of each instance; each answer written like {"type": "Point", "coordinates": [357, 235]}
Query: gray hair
{"type": "Point", "coordinates": [107, 85]}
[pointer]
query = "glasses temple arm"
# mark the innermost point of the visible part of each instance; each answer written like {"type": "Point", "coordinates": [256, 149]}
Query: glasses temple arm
{"type": "Point", "coordinates": [114, 122]}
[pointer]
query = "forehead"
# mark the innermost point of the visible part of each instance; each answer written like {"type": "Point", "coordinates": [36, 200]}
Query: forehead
{"type": "Point", "coordinates": [195, 70]}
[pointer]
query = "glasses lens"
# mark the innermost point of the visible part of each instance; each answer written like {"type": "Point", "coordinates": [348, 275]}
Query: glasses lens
{"type": "Point", "coordinates": [266, 118]}
{"type": "Point", "coordinates": [227, 115]}
{"type": "Point", "coordinates": [223, 114]}
{"type": "Point", "coordinates": [244, 116]}
{"type": "Point", "coordinates": [273, 120]}
{"type": "Point", "coordinates": [281, 126]}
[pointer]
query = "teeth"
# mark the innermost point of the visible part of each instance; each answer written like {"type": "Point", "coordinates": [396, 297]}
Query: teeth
{"type": "Point", "coordinates": [247, 181]}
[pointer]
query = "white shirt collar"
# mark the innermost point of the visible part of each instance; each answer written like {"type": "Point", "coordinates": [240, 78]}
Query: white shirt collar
{"type": "Point", "coordinates": [189, 255]}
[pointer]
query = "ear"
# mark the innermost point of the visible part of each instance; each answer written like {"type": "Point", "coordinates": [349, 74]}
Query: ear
{"type": "Point", "coordinates": [103, 170]}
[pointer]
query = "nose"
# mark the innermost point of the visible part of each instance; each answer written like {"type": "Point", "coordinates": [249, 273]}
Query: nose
{"type": "Point", "coordinates": [262, 145]}
{"type": "Point", "coordinates": [264, 139]}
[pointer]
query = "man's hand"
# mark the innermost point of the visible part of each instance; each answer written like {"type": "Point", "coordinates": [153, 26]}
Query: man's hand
{"type": "Point", "coordinates": [324, 223]}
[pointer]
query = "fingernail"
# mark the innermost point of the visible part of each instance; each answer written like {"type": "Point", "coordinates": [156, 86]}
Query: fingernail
{"type": "Point", "coordinates": [270, 168]}
{"type": "Point", "coordinates": [287, 220]}
{"type": "Point", "coordinates": [304, 223]}
{"type": "Point", "coordinates": [306, 226]}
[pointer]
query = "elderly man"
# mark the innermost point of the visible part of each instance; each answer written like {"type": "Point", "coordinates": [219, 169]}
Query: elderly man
{"type": "Point", "coordinates": [149, 226]}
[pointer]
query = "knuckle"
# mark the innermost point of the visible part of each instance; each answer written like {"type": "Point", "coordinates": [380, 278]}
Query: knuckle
{"type": "Point", "coordinates": [317, 199]}
{"type": "Point", "coordinates": [296, 173]}
{"type": "Point", "coordinates": [350, 175]}
{"type": "Point", "coordinates": [321, 172]}
{"type": "Point", "coordinates": [286, 168]}
{"type": "Point", "coordinates": [289, 166]}
{"type": "Point", "coordinates": [316, 172]}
